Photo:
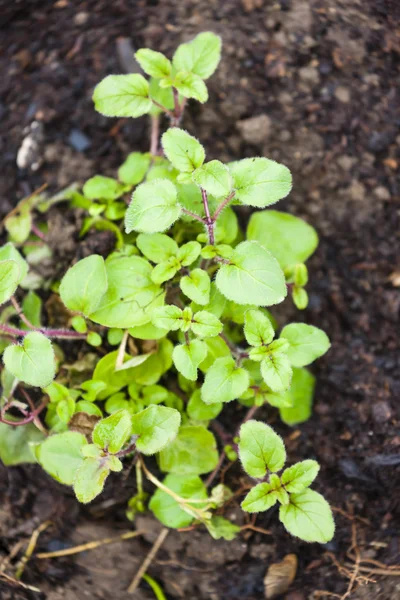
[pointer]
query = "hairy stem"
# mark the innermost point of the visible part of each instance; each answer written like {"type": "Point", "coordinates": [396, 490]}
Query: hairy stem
{"type": "Point", "coordinates": [155, 132]}
{"type": "Point", "coordinates": [223, 205]}
{"type": "Point", "coordinates": [20, 313]}
{"type": "Point", "coordinates": [208, 220]}
{"type": "Point", "coordinates": [62, 334]}
{"type": "Point", "coordinates": [164, 110]}
{"type": "Point", "coordinates": [193, 215]}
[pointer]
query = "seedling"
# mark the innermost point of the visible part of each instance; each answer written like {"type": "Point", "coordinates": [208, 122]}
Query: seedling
{"type": "Point", "coordinates": [181, 304]}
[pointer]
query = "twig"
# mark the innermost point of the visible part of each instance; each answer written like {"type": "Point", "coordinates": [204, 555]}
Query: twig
{"type": "Point", "coordinates": [213, 475]}
{"type": "Point", "coordinates": [256, 529]}
{"type": "Point", "coordinates": [89, 545]}
{"type": "Point", "coordinates": [30, 549]}
{"type": "Point", "coordinates": [12, 581]}
{"type": "Point", "coordinates": [18, 207]}
{"type": "Point", "coordinates": [147, 561]}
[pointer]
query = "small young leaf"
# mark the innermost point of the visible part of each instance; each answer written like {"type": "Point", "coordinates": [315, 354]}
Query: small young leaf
{"type": "Point", "coordinates": [191, 86]}
{"type": "Point", "coordinates": [165, 270]}
{"type": "Point", "coordinates": [188, 253]}
{"type": "Point", "coordinates": [200, 56]}
{"type": "Point", "coordinates": [260, 449]}
{"type": "Point", "coordinates": [196, 286]}
{"type": "Point", "coordinates": [113, 432]}
{"type": "Point", "coordinates": [224, 381]}
{"type": "Point", "coordinates": [306, 343]}
{"type": "Point", "coordinates": [147, 332]}
{"type": "Point", "coordinates": [103, 188]}
{"type": "Point", "coordinates": [167, 510]}
{"type": "Point", "coordinates": [258, 329]}
{"type": "Point", "coordinates": [33, 362]}
{"type": "Point", "coordinates": [167, 317]}
{"type": "Point", "coordinates": [290, 239]}
{"type": "Point", "coordinates": [154, 207]}
{"type": "Point", "coordinates": [90, 478]}
{"type": "Point", "coordinates": [220, 528]}
{"type": "Point", "coordinates": [276, 371]}
{"type": "Point", "coordinates": [163, 96]}
{"type": "Point", "coordinates": [300, 476]}
{"type": "Point", "coordinates": [300, 276]}
{"type": "Point", "coordinates": [32, 309]}
{"type": "Point", "coordinates": [252, 276]}
{"type": "Point", "coordinates": [153, 63]}
{"type": "Point", "coordinates": [300, 297]}
{"type": "Point", "coordinates": [122, 96]}
{"type": "Point", "coordinates": [187, 358]}
{"type": "Point", "coordinates": [61, 455]}
{"type": "Point", "coordinates": [217, 348]}
{"type": "Point", "coordinates": [156, 427]}
{"type": "Point", "coordinates": [260, 182]}
{"type": "Point", "coordinates": [9, 252]}
{"type": "Point", "coordinates": [309, 517]}
{"type": "Point", "coordinates": [183, 150]}
{"type": "Point", "coordinates": [301, 392]}
{"type": "Point", "coordinates": [260, 498]}
{"type": "Point", "coordinates": [199, 410]}
{"type": "Point", "coordinates": [215, 178]}
{"type": "Point", "coordinates": [133, 170]}
{"type": "Point", "coordinates": [157, 247]}
{"type": "Point", "coordinates": [205, 324]}
{"type": "Point", "coordinates": [9, 279]}
{"type": "Point", "coordinates": [84, 285]}
{"type": "Point", "coordinates": [193, 451]}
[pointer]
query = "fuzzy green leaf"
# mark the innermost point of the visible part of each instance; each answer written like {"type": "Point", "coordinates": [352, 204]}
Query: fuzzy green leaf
{"type": "Point", "coordinates": [9, 279]}
{"type": "Point", "coordinates": [199, 410]}
{"type": "Point", "coordinates": [260, 182]}
{"type": "Point", "coordinates": [309, 517]}
{"type": "Point", "coordinates": [301, 393]}
{"type": "Point", "coordinates": [156, 427]}
{"type": "Point", "coordinates": [215, 178]}
{"type": "Point", "coordinates": [153, 63]}
{"type": "Point", "coordinates": [300, 476]}
{"type": "Point", "coordinates": [61, 455]}
{"type": "Point", "coordinates": [260, 449]}
{"type": "Point", "coordinates": [183, 150]}
{"type": "Point", "coordinates": [113, 432]}
{"type": "Point", "coordinates": [205, 324]}
{"type": "Point", "coordinates": [252, 276]}
{"type": "Point", "coordinates": [187, 358]}
{"type": "Point", "coordinates": [157, 247]}
{"type": "Point", "coordinates": [167, 317]}
{"type": "Point", "coordinates": [165, 270]}
{"type": "Point", "coordinates": [33, 361]}
{"type": "Point", "coordinates": [196, 286]}
{"type": "Point", "coordinates": [220, 528]}
{"type": "Point", "coordinates": [260, 498]}
{"type": "Point", "coordinates": [90, 478]}
{"type": "Point", "coordinates": [134, 168]}
{"type": "Point", "coordinates": [84, 285]}
{"type": "Point", "coordinates": [200, 56]}
{"type": "Point", "coordinates": [154, 207]}
{"type": "Point", "coordinates": [258, 329]}
{"type": "Point", "coordinates": [188, 253]}
{"type": "Point", "coordinates": [167, 510]}
{"type": "Point", "coordinates": [9, 252]}
{"type": "Point", "coordinates": [193, 451]}
{"type": "Point", "coordinates": [191, 86]}
{"type": "Point", "coordinates": [122, 96]}
{"type": "Point", "coordinates": [103, 188]}
{"type": "Point", "coordinates": [15, 447]}
{"type": "Point", "coordinates": [306, 343]}
{"type": "Point", "coordinates": [276, 371]}
{"type": "Point", "coordinates": [224, 381]}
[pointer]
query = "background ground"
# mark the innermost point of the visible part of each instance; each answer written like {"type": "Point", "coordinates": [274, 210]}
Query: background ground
{"type": "Point", "coordinates": [319, 79]}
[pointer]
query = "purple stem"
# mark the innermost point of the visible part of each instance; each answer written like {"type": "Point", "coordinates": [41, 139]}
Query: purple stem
{"type": "Point", "coordinates": [65, 334]}
{"type": "Point", "coordinates": [193, 215]}
{"type": "Point", "coordinates": [208, 220]}
{"type": "Point", "coordinates": [223, 204]}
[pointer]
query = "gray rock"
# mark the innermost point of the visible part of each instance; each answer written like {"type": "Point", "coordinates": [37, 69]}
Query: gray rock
{"type": "Point", "coordinates": [78, 140]}
{"type": "Point", "coordinates": [256, 129]}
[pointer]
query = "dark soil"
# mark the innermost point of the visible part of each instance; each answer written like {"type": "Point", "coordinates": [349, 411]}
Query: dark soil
{"type": "Point", "coordinates": [323, 75]}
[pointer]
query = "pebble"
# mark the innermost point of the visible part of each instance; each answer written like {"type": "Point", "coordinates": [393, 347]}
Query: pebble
{"type": "Point", "coordinates": [357, 191]}
{"type": "Point", "coordinates": [346, 162]}
{"type": "Point", "coordinates": [78, 140]}
{"type": "Point", "coordinates": [255, 130]}
{"type": "Point", "coordinates": [380, 140]}
{"type": "Point", "coordinates": [382, 193]}
{"type": "Point", "coordinates": [28, 156]}
{"type": "Point", "coordinates": [81, 18]}
{"type": "Point", "coordinates": [309, 75]}
{"type": "Point", "coordinates": [342, 94]}
{"type": "Point", "coordinates": [381, 411]}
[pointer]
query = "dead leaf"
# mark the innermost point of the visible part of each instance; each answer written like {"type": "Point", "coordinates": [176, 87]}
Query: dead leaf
{"type": "Point", "coordinates": [83, 423]}
{"type": "Point", "coordinates": [280, 576]}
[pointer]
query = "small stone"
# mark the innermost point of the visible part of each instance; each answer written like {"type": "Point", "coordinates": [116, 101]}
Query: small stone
{"type": "Point", "coordinates": [285, 98]}
{"type": "Point", "coordinates": [382, 193]}
{"type": "Point", "coordinates": [380, 140]}
{"type": "Point", "coordinates": [342, 94]}
{"type": "Point", "coordinates": [28, 156]}
{"type": "Point", "coordinates": [309, 75]}
{"type": "Point", "coordinates": [357, 191]}
{"type": "Point", "coordinates": [255, 130]}
{"type": "Point", "coordinates": [346, 162]}
{"type": "Point", "coordinates": [81, 18]}
{"type": "Point", "coordinates": [381, 411]}
{"type": "Point", "coordinates": [262, 551]}
{"type": "Point", "coordinates": [78, 140]}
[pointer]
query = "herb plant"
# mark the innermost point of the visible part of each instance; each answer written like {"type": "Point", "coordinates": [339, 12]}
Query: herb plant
{"type": "Point", "coordinates": [171, 326]}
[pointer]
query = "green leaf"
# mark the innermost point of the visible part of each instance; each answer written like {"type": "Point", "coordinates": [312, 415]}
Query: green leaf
{"type": "Point", "coordinates": [163, 96]}
{"type": "Point", "coordinates": [191, 86]}
{"type": "Point", "coordinates": [157, 247]}
{"type": "Point", "coordinates": [215, 178]}
{"type": "Point", "coordinates": [199, 410]}
{"type": "Point", "coordinates": [306, 343]}
{"type": "Point", "coordinates": [220, 528]}
{"type": "Point", "coordinates": [156, 427]}
{"type": "Point", "coordinates": [90, 479]}
{"type": "Point", "coordinates": [260, 182]}
{"type": "Point", "coordinates": [147, 332]}
{"type": "Point", "coordinates": [15, 447]}
{"type": "Point", "coordinates": [258, 329]}
{"type": "Point", "coordinates": [167, 317]}
{"type": "Point", "coordinates": [103, 188]}
{"type": "Point", "coordinates": [9, 279]}
{"type": "Point", "coordinates": [193, 451]}
{"type": "Point", "coordinates": [106, 380]}
{"type": "Point", "coordinates": [183, 150]}
{"type": "Point", "coordinates": [301, 392]}
{"type": "Point", "coordinates": [113, 432]}
{"type": "Point", "coordinates": [32, 362]}
{"type": "Point", "coordinates": [187, 358]}
{"type": "Point", "coordinates": [252, 276]}
{"type": "Point", "coordinates": [206, 324]}
{"type": "Point", "coordinates": [300, 476]}
{"type": "Point", "coordinates": [224, 381]}
{"type": "Point", "coordinates": [84, 285]}
{"type": "Point", "coordinates": [32, 309]}
{"type": "Point", "coordinates": [154, 207]}
{"type": "Point", "coordinates": [260, 498]}
{"type": "Point", "coordinates": [122, 96]}
{"type": "Point", "coordinates": [19, 225]}
{"type": "Point", "coordinates": [290, 239]}
{"type": "Point", "coordinates": [188, 253]}
{"type": "Point", "coordinates": [276, 371]}
{"type": "Point", "coordinates": [309, 517]}
{"type": "Point", "coordinates": [131, 294]}
{"type": "Point", "coordinates": [88, 407]}
{"type": "Point", "coordinates": [260, 449]}
{"type": "Point", "coordinates": [9, 252]}
{"type": "Point", "coordinates": [200, 56]}
{"type": "Point", "coordinates": [159, 363]}
{"type": "Point", "coordinates": [134, 168]}
{"type": "Point", "coordinates": [61, 455]}
{"type": "Point", "coordinates": [167, 510]}
{"type": "Point", "coordinates": [300, 297]}
{"type": "Point", "coordinates": [217, 348]}
{"type": "Point", "coordinates": [196, 286]}
{"type": "Point", "coordinates": [300, 276]}
{"type": "Point", "coordinates": [153, 63]}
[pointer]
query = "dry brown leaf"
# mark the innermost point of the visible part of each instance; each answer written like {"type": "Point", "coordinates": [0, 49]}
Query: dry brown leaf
{"type": "Point", "coordinates": [280, 576]}
{"type": "Point", "coordinates": [83, 423]}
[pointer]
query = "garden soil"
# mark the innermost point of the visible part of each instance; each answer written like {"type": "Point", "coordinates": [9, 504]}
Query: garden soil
{"type": "Point", "coordinates": [312, 84]}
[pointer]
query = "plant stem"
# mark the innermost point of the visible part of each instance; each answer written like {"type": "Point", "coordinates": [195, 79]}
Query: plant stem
{"type": "Point", "coordinates": [28, 419]}
{"type": "Point", "coordinates": [38, 233]}
{"type": "Point", "coordinates": [208, 220]}
{"type": "Point", "coordinates": [165, 110]}
{"type": "Point", "coordinates": [62, 334]}
{"type": "Point", "coordinates": [223, 205]}
{"type": "Point", "coordinates": [20, 313]}
{"type": "Point", "coordinates": [155, 132]}
{"type": "Point", "coordinates": [193, 215]}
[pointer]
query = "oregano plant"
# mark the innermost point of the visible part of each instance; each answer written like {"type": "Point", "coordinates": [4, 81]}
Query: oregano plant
{"type": "Point", "coordinates": [178, 320]}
